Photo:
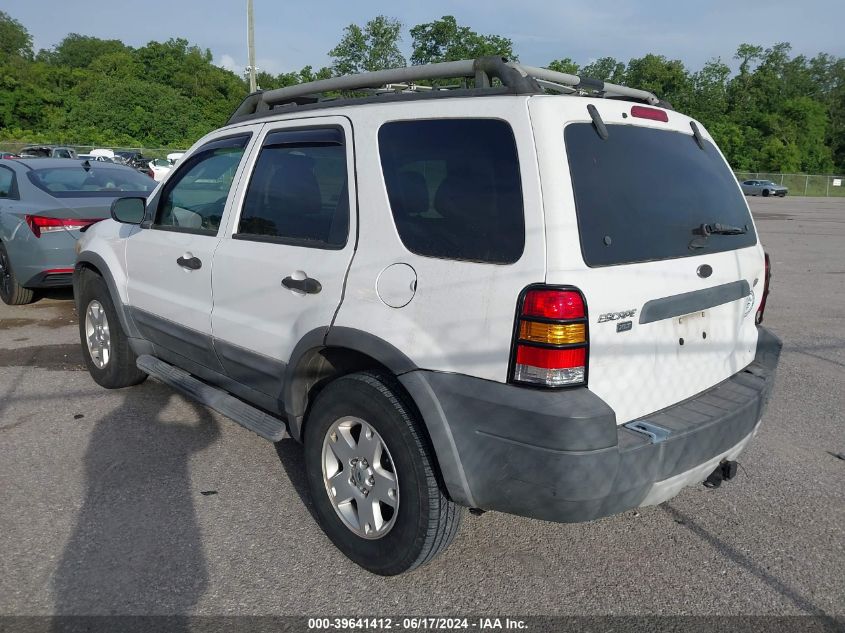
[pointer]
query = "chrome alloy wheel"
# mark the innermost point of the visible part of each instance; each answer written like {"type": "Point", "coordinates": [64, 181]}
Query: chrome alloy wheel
{"type": "Point", "coordinates": [97, 334]}
{"type": "Point", "coordinates": [360, 477]}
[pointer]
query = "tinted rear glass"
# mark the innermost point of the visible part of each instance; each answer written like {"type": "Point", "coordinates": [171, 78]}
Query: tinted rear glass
{"type": "Point", "coordinates": [641, 193]}
{"type": "Point", "coordinates": [96, 182]}
{"type": "Point", "coordinates": [454, 188]}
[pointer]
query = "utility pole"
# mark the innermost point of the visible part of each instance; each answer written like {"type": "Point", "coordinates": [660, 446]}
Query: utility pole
{"type": "Point", "coordinates": [253, 86]}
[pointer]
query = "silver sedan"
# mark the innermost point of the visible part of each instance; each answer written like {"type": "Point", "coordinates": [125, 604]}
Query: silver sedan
{"type": "Point", "coordinates": [44, 203]}
{"type": "Point", "coordinates": [763, 188]}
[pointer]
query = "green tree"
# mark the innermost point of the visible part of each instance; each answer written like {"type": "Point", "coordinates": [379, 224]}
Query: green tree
{"type": "Point", "coordinates": [373, 47]}
{"type": "Point", "coordinates": [14, 38]}
{"type": "Point", "coordinates": [445, 40]}
{"type": "Point", "coordinates": [565, 65]}
{"type": "Point", "coordinates": [80, 51]}
{"type": "Point", "coordinates": [606, 69]}
{"type": "Point", "coordinates": [709, 88]}
{"type": "Point", "coordinates": [666, 78]}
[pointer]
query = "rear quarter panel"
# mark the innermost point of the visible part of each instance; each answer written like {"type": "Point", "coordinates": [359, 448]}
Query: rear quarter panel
{"type": "Point", "coordinates": [461, 316]}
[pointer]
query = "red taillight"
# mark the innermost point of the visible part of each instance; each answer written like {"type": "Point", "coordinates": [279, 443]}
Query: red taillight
{"type": "Point", "coordinates": [39, 224]}
{"type": "Point", "coordinates": [553, 304]}
{"type": "Point", "coordinates": [550, 339]}
{"type": "Point", "coordinates": [650, 113]}
{"type": "Point", "coordinates": [767, 276]}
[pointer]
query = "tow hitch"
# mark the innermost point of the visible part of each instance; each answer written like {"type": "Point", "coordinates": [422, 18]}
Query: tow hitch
{"type": "Point", "coordinates": [724, 472]}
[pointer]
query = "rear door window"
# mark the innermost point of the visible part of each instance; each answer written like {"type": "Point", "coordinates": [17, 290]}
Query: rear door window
{"type": "Point", "coordinates": [642, 195]}
{"type": "Point", "coordinates": [454, 188]}
{"type": "Point", "coordinates": [8, 186]}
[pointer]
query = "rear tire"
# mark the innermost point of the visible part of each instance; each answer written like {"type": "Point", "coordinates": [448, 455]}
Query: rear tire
{"type": "Point", "coordinates": [105, 347]}
{"type": "Point", "coordinates": [11, 292]}
{"type": "Point", "coordinates": [421, 521]}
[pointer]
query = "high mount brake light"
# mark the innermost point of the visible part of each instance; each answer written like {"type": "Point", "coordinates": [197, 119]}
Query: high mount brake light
{"type": "Point", "coordinates": [650, 113]}
{"type": "Point", "coordinates": [550, 347]}
{"type": "Point", "coordinates": [767, 276]}
{"type": "Point", "coordinates": [39, 224]}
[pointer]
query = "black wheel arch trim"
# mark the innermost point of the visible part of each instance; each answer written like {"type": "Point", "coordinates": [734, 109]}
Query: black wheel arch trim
{"type": "Point", "coordinates": [95, 261]}
{"type": "Point", "coordinates": [301, 368]}
{"type": "Point", "coordinates": [304, 364]}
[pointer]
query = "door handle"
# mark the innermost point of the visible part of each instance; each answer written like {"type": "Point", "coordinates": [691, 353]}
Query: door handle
{"type": "Point", "coordinates": [191, 263]}
{"type": "Point", "coordinates": [308, 285]}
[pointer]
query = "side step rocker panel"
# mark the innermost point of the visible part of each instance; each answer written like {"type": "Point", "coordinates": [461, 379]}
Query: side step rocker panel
{"type": "Point", "coordinates": [263, 424]}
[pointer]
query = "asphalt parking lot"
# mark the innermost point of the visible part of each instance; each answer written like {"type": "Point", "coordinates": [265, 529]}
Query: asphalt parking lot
{"type": "Point", "coordinates": [139, 501]}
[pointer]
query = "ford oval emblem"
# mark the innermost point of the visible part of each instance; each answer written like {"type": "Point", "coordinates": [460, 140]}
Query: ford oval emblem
{"type": "Point", "coordinates": [704, 271]}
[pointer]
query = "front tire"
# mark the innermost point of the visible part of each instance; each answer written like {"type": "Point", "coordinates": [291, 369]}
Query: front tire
{"type": "Point", "coordinates": [372, 476]}
{"type": "Point", "coordinates": [765, 193]}
{"type": "Point", "coordinates": [11, 292]}
{"type": "Point", "coordinates": [105, 347]}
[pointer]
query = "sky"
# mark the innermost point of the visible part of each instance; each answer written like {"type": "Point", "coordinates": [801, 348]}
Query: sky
{"type": "Point", "coordinates": [292, 34]}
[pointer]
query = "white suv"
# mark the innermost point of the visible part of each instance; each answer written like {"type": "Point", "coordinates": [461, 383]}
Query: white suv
{"type": "Point", "coordinates": [491, 297]}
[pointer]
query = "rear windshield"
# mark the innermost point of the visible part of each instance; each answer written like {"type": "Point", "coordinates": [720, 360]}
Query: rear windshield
{"type": "Point", "coordinates": [642, 194]}
{"type": "Point", "coordinates": [96, 182]}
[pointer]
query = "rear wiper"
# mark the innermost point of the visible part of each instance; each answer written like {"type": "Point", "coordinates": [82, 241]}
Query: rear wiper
{"type": "Point", "coordinates": [704, 231]}
{"type": "Point", "coordinates": [719, 229]}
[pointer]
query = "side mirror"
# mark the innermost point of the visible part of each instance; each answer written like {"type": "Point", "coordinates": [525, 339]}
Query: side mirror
{"type": "Point", "coordinates": [129, 210]}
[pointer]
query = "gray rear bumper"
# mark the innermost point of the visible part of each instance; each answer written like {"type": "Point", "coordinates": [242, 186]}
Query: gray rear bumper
{"type": "Point", "coordinates": [559, 455]}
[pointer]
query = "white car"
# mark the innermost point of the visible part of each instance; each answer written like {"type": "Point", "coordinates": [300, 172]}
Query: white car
{"type": "Point", "coordinates": [103, 153]}
{"type": "Point", "coordinates": [500, 299]}
{"type": "Point", "coordinates": [161, 168]}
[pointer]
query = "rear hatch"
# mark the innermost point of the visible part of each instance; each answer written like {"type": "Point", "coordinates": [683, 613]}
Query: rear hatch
{"type": "Point", "coordinates": [670, 302]}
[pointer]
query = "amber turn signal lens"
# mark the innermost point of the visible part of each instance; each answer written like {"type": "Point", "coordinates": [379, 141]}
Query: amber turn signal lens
{"type": "Point", "coordinates": [553, 333]}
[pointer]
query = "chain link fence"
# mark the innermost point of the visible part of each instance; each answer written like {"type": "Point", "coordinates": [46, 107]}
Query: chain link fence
{"type": "Point", "coordinates": [151, 152]}
{"type": "Point", "coordinates": [800, 184]}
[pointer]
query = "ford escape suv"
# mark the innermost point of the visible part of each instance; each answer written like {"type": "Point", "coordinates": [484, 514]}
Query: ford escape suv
{"type": "Point", "coordinates": [541, 295]}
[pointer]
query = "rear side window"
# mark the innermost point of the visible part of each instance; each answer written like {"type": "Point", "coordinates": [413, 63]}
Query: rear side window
{"type": "Point", "coordinates": [298, 193]}
{"type": "Point", "coordinates": [8, 186]}
{"type": "Point", "coordinates": [454, 188]}
{"type": "Point", "coordinates": [642, 194]}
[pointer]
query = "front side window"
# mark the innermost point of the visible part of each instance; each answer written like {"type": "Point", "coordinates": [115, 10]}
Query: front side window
{"type": "Point", "coordinates": [454, 188]}
{"type": "Point", "coordinates": [194, 199]}
{"type": "Point", "coordinates": [298, 193]}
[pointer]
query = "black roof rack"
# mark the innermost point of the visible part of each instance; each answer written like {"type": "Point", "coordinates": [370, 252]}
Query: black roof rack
{"type": "Point", "coordinates": [515, 78]}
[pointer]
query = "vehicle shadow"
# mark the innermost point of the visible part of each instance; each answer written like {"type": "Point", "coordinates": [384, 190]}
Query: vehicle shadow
{"type": "Point", "coordinates": [724, 549]}
{"type": "Point", "coordinates": [57, 294]}
{"type": "Point", "coordinates": [292, 457]}
{"type": "Point", "coordinates": [137, 548]}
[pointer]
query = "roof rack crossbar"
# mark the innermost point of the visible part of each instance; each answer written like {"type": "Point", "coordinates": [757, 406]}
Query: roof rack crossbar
{"type": "Point", "coordinates": [518, 78]}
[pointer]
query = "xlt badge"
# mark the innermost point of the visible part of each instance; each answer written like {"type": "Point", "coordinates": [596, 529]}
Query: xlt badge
{"type": "Point", "coordinates": [615, 316]}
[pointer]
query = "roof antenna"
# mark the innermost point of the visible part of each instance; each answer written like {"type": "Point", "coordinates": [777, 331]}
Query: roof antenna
{"type": "Point", "coordinates": [601, 128]}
